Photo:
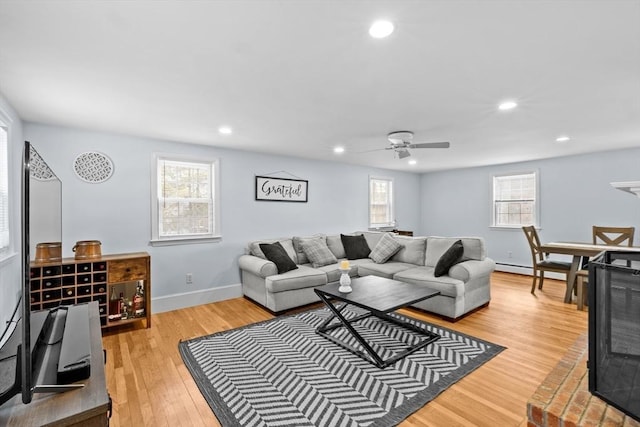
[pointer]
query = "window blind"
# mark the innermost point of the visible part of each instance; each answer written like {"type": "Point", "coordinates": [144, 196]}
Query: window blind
{"type": "Point", "coordinates": [185, 198]}
{"type": "Point", "coordinates": [514, 200]}
{"type": "Point", "coordinates": [4, 191]}
{"type": "Point", "coordinates": [380, 202]}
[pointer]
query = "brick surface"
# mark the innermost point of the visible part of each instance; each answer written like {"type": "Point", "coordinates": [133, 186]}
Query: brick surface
{"type": "Point", "coordinates": [535, 414]}
{"type": "Point", "coordinates": [564, 400]}
{"type": "Point", "coordinates": [594, 412]}
{"type": "Point", "coordinates": [612, 417]}
{"type": "Point", "coordinates": [630, 422]}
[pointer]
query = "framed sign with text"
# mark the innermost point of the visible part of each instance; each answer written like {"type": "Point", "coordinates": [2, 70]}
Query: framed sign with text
{"type": "Point", "coordinates": [281, 189]}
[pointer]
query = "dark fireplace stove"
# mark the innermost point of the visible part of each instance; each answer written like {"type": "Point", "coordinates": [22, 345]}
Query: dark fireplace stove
{"type": "Point", "coordinates": [614, 330]}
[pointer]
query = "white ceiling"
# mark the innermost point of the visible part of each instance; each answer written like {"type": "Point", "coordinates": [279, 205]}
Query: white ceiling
{"type": "Point", "coordinates": [300, 77]}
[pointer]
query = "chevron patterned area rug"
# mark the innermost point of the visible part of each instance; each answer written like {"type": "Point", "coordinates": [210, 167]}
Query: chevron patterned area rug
{"type": "Point", "coordinates": [281, 373]}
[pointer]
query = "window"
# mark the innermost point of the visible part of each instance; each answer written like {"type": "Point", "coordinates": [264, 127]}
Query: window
{"type": "Point", "coordinates": [381, 212]}
{"type": "Point", "coordinates": [515, 200]}
{"type": "Point", "coordinates": [186, 201]}
{"type": "Point", "coordinates": [4, 191]}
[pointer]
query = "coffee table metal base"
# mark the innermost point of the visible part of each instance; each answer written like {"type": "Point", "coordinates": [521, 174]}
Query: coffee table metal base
{"type": "Point", "coordinates": [371, 355]}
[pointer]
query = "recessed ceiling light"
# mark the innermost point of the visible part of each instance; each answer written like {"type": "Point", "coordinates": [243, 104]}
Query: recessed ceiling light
{"type": "Point", "coordinates": [507, 105]}
{"type": "Point", "coordinates": [338, 150]}
{"type": "Point", "coordinates": [563, 138]}
{"type": "Point", "coordinates": [413, 162]}
{"type": "Point", "coordinates": [381, 29]}
{"type": "Point", "coordinates": [225, 130]}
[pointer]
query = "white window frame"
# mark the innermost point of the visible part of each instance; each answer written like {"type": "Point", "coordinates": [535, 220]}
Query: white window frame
{"type": "Point", "coordinates": [390, 203]}
{"type": "Point", "coordinates": [536, 199]}
{"type": "Point", "coordinates": [215, 235]}
{"type": "Point", "coordinates": [6, 240]}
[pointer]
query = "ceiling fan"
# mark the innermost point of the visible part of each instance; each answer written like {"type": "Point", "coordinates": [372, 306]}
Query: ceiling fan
{"type": "Point", "coordinates": [401, 142]}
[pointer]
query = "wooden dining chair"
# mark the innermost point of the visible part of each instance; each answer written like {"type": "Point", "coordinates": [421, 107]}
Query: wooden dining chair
{"type": "Point", "coordinates": [541, 263]}
{"type": "Point", "coordinates": [582, 279]}
{"type": "Point", "coordinates": [613, 236]}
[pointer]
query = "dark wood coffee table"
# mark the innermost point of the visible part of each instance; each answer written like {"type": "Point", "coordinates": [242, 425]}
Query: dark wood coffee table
{"type": "Point", "coordinates": [379, 297]}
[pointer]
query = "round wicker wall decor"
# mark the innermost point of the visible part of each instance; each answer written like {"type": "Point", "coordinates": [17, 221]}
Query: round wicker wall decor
{"type": "Point", "coordinates": [93, 167]}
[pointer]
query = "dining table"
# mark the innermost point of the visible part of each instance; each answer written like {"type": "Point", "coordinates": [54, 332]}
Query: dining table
{"type": "Point", "coordinates": [578, 251]}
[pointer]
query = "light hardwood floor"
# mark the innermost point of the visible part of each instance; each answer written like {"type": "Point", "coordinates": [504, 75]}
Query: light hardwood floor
{"type": "Point", "coordinates": [150, 385]}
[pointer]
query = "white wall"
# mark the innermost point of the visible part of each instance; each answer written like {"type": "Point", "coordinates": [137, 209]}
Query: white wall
{"type": "Point", "coordinates": [117, 212]}
{"type": "Point", "coordinates": [10, 265]}
{"type": "Point", "coordinates": [575, 193]}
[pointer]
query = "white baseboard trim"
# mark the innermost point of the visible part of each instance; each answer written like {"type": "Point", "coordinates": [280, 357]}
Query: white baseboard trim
{"type": "Point", "coordinates": [527, 271]}
{"type": "Point", "coordinates": [190, 299]}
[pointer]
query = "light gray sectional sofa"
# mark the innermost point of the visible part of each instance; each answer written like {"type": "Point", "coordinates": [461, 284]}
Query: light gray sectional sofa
{"type": "Point", "coordinates": [464, 288]}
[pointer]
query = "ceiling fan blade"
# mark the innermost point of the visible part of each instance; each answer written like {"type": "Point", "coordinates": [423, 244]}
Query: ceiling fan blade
{"type": "Point", "coordinates": [403, 153]}
{"type": "Point", "coordinates": [430, 145]}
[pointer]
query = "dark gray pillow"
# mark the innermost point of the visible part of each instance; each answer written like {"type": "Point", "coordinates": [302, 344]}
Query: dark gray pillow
{"type": "Point", "coordinates": [355, 247]}
{"type": "Point", "coordinates": [448, 259]}
{"type": "Point", "coordinates": [277, 255]}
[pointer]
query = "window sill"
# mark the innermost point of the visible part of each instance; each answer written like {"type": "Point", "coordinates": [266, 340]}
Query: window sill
{"type": "Point", "coordinates": [509, 227]}
{"type": "Point", "coordinates": [184, 241]}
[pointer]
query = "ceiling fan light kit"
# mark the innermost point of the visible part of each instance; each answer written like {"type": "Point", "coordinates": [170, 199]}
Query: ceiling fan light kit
{"type": "Point", "coordinates": [403, 153]}
{"type": "Point", "coordinates": [400, 137]}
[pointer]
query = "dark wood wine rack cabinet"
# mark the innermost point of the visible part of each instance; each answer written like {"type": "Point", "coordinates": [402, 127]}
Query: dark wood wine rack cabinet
{"type": "Point", "coordinates": [75, 281]}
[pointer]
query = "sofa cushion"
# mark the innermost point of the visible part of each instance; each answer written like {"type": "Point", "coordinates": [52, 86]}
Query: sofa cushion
{"type": "Point", "coordinates": [387, 246]}
{"type": "Point", "coordinates": [318, 253]}
{"type": "Point", "coordinates": [372, 237]}
{"type": "Point", "coordinates": [436, 246]}
{"type": "Point", "coordinates": [297, 246]}
{"type": "Point", "coordinates": [424, 276]}
{"type": "Point", "coordinates": [277, 255]}
{"type": "Point", "coordinates": [287, 244]}
{"type": "Point", "coordinates": [449, 258]}
{"type": "Point", "coordinates": [388, 269]}
{"type": "Point", "coordinates": [335, 246]}
{"type": "Point", "coordinates": [412, 251]}
{"type": "Point", "coordinates": [333, 270]}
{"type": "Point", "coordinates": [355, 247]}
{"type": "Point", "coordinates": [300, 278]}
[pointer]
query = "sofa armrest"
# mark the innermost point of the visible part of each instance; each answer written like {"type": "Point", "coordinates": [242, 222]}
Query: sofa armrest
{"type": "Point", "coordinates": [258, 266]}
{"type": "Point", "coordinates": [470, 269]}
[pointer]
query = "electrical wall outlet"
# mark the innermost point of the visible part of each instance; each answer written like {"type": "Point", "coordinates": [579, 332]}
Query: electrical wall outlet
{"type": "Point", "coordinates": [189, 278]}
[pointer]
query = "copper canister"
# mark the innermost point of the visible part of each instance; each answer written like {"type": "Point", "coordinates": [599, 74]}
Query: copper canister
{"type": "Point", "coordinates": [85, 249]}
{"type": "Point", "coordinates": [48, 252]}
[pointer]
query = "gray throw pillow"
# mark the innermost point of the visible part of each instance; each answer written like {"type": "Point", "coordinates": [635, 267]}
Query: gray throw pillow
{"type": "Point", "coordinates": [297, 246]}
{"type": "Point", "coordinates": [387, 246]}
{"type": "Point", "coordinates": [355, 247]}
{"type": "Point", "coordinates": [318, 253]}
{"type": "Point", "coordinates": [448, 259]}
{"type": "Point", "coordinates": [275, 253]}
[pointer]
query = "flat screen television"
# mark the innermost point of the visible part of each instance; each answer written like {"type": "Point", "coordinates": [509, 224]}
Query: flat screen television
{"type": "Point", "coordinates": [41, 221]}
